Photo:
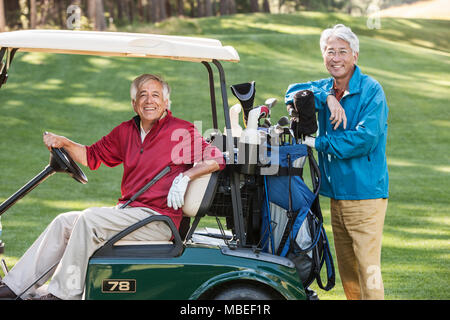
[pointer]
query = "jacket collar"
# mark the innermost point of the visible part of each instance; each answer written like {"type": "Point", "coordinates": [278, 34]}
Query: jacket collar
{"type": "Point", "coordinates": [354, 86]}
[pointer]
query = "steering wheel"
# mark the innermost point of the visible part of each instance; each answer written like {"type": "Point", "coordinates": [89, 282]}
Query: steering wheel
{"type": "Point", "coordinates": [60, 161]}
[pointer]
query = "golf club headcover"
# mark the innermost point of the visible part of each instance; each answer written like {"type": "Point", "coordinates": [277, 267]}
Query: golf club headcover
{"type": "Point", "coordinates": [264, 112]}
{"type": "Point", "coordinates": [306, 109]}
{"type": "Point", "coordinates": [245, 93]}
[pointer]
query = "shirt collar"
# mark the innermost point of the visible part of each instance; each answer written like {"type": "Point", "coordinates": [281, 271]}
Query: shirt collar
{"type": "Point", "coordinates": [164, 118]}
{"type": "Point", "coordinates": [354, 85]}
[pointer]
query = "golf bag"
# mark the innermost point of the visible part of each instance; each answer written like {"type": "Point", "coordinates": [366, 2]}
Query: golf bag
{"type": "Point", "coordinates": [292, 222]}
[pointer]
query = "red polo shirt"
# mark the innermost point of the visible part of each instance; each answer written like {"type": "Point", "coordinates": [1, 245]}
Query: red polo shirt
{"type": "Point", "coordinates": [171, 142]}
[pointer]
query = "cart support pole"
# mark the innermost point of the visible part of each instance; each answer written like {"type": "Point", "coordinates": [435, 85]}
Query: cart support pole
{"type": "Point", "coordinates": [234, 174]}
{"type": "Point", "coordinates": [212, 94]}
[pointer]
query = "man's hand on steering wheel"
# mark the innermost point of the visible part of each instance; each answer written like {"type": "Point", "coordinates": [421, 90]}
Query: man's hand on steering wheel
{"type": "Point", "coordinates": [52, 140]}
{"type": "Point", "coordinates": [76, 151]}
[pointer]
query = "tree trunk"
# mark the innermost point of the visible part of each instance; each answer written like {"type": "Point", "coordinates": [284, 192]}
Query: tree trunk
{"type": "Point", "coordinates": [200, 9]}
{"type": "Point", "coordinates": [140, 11]}
{"type": "Point", "coordinates": [45, 6]}
{"type": "Point", "coordinates": [192, 6]}
{"type": "Point", "coordinates": [208, 8]}
{"type": "Point", "coordinates": [224, 7]}
{"type": "Point", "coordinates": [254, 6]}
{"type": "Point", "coordinates": [2, 17]}
{"type": "Point", "coordinates": [131, 11]}
{"type": "Point", "coordinates": [162, 10]}
{"type": "Point", "coordinates": [60, 14]}
{"type": "Point", "coordinates": [33, 14]}
{"type": "Point", "coordinates": [180, 8]}
{"type": "Point", "coordinates": [232, 6]}
{"type": "Point", "coordinates": [120, 10]}
{"type": "Point", "coordinates": [266, 6]}
{"type": "Point", "coordinates": [91, 4]}
{"type": "Point", "coordinates": [154, 10]}
{"type": "Point", "coordinates": [168, 9]}
{"type": "Point", "coordinates": [100, 23]}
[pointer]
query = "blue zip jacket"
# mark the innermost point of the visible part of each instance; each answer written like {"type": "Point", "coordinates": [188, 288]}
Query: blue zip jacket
{"type": "Point", "coordinates": [352, 162]}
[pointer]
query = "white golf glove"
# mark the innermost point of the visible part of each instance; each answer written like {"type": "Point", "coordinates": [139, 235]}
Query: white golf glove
{"type": "Point", "coordinates": [175, 198]}
{"type": "Point", "coordinates": [309, 141]}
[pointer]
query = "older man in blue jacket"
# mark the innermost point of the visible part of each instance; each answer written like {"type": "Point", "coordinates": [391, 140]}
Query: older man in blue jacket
{"type": "Point", "coordinates": [351, 145]}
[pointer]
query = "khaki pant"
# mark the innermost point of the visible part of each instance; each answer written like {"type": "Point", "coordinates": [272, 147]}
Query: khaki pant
{"type": "Point", "coordinates": [71, 238]}
{"type": "Point", "coordinates": [357, 230]}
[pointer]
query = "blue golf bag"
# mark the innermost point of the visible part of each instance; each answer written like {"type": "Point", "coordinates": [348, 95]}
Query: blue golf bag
{"type": "Point", "coordinates": [292, 222]}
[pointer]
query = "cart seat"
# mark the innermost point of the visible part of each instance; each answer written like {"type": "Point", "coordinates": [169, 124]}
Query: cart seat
{"type": "Point", "coordinates": [197, 200]}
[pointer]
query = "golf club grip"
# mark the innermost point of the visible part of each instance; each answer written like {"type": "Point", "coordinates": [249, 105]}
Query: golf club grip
{"type": "Point", "coordinates": [162, 173]}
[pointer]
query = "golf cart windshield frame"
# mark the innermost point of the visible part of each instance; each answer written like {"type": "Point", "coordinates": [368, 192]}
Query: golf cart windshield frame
{"type": "Point", "coordinates": [234, 173]}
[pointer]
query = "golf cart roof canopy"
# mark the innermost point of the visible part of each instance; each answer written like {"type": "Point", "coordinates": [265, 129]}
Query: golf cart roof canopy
{"type": "Point", "coordinates": [119, 44]}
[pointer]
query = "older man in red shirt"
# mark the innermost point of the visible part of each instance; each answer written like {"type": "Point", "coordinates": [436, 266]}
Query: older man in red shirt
{"type": "Point", "coordinates": [146, 144]}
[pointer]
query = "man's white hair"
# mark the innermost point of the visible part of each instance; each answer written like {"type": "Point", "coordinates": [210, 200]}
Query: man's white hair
{"type": "Point", "coordinates": [342, 32]}
{"type": "Point", "coordinates": [139, 81]}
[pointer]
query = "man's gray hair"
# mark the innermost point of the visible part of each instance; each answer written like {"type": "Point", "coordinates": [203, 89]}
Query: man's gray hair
{"type": "Point", "coordinates": [342, 32]}
{"type": "Point", "coordinates": [139, 81]}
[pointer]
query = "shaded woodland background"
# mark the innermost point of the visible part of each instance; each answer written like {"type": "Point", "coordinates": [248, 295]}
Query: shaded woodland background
{"type": "Point", "coordinates": [106, 14]}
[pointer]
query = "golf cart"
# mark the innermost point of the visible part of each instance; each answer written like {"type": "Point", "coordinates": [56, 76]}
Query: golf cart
{"type": "Point", "coordinates": [199, 263]}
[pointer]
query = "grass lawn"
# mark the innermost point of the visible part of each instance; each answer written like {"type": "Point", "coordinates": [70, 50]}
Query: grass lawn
{"type": "Point", "coordinates": [84, 97]}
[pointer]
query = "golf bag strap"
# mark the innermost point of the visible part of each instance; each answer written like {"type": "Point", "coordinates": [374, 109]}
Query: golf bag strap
{"type": "Point", "coordinates": [291, 218]}
{"type": "Point", "coordinates": [328, 260]}
{"type": "Point", "coordinates": [283, 171]}
{"type": "Point", "coordinates": [290, 214]}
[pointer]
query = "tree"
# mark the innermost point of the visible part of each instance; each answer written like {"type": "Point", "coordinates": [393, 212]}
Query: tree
{"type": "Point", "coordinates": [2, 16]}
{"type": "Point", "coordinates": [162, 10]}
{"type": "Point", "coordinates": [200, 9]}
{"type": "Point", "coordinates": [33, 14]}
{"type": "Point", "coordinates": [223, 7]}
{"type": "Point", "coordinates": [180, 7]}
{"type": "Point", "coordinates": [96, 14]}
{"type": "Point", "coordinates": [91, 11]}
{"type": "Point", "coordinates": [254, 6]}
{"type": "Point", "coordinates": [45, 8]}
{"type": "Point", "coordinates": [232, 6]}
{"type": "Point", "coordinates": [266, 6]}
{"type": "Point", "coordinates": [227, 7]}
{"type": "Point", "coordinates": [60, 13]}
{"type": "Point", "coordinates": [208, 8]}
{"type": "Point", "coordinates": [100, 23]}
